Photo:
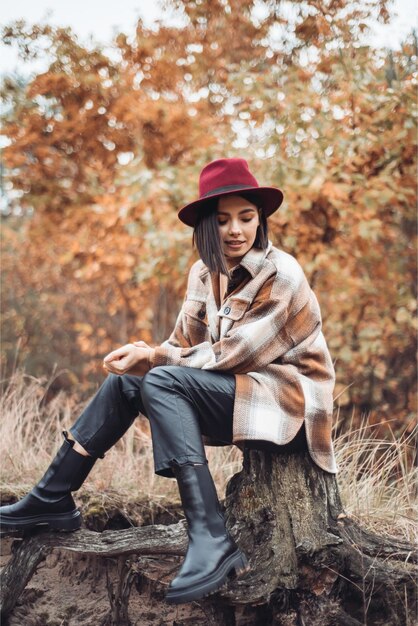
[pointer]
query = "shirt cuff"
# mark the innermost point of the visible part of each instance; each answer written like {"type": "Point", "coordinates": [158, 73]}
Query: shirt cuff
{"type": "Point", "coordinates": [166, 355]}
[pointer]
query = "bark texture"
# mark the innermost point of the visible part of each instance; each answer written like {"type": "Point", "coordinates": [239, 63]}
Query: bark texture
{"type": "Point", "coordinates": [310, 563]}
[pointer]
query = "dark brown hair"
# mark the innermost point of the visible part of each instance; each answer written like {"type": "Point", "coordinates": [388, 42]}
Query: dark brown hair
{"type": "Point", "coordinates": [207, 240]}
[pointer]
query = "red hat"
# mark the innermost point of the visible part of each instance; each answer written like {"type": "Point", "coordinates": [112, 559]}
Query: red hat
{"type": "Point", "coordinates": [224, 177]}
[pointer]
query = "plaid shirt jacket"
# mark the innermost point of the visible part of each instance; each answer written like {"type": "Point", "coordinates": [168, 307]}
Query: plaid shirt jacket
{"type": "Point", "coordinates": [268, 333]}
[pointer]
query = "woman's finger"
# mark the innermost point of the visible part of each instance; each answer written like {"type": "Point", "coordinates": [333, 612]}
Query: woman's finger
{"type": "Point", "coordinates": [115, 367]}
{"type": "Point", "coordinates": [118, 354]}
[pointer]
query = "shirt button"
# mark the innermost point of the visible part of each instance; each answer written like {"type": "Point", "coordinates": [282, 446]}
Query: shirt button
{"type": "Point", "coordinates": [227, 310]}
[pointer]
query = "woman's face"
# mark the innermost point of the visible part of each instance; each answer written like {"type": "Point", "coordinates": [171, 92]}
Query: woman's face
{"type": "Point", "coordinates": [238, 220]}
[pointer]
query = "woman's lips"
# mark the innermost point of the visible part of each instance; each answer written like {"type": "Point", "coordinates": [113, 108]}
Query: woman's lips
{"type": "Point", "coordinates": [234, 244]}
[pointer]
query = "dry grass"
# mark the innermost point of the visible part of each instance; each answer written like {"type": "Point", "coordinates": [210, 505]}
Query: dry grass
{"type": "Point", "coordinates": [31, 432]}
{"type": "Point", "coordinates": [377, 479]}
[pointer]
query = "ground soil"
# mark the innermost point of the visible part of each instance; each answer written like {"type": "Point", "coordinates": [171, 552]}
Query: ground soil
{"type": "Point", "coordinates": [73, 590]}
{"type": "Point", "coordinates": [70, 590]}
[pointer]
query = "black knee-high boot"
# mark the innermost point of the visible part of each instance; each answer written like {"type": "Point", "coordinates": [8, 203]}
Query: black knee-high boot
{"type": "Point", "coordinates": [212, 555]}
{"type": "Point", "coordinates": [50, 502]}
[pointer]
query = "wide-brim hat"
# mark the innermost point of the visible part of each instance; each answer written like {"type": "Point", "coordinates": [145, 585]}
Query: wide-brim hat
{"type": "Point", "coordinates": [225, 177]}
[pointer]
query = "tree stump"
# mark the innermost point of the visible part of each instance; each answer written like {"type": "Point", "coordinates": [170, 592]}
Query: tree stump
{"type": "Point", "coordinates": [310, 563]}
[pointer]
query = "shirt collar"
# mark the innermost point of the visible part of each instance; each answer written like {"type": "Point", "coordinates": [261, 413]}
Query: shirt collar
{"type": "Point", "coordinates": [254, 259]}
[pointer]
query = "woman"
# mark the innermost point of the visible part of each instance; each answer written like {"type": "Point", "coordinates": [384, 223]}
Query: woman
{"type": "Point", "coordinates": [246, 362]}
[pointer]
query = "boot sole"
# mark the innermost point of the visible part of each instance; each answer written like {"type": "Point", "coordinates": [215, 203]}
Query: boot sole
{"type": "Point", "coordinates": [65, 522]}
{"type": "Point", "coordinates": [235, 565]}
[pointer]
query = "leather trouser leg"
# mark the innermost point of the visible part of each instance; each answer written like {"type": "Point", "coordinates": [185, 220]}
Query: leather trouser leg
{"type": "Point", "coordinates": [109, 414]}
{"type": "Point", "coordinates": [181, 403]}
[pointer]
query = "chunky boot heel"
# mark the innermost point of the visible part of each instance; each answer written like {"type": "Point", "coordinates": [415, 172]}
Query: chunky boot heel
{"type": "Point", "coordinates": [212, 555]}
{"type": "Point", "coordinates": [50, 503]}
{"type": "Point", "coordinates": [206, 585]}
{"type": "Point", "coordinates": [66, 522]}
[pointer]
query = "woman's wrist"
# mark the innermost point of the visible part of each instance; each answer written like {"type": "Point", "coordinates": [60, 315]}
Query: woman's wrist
{"type": "Point", "coordinates": [151, 358]}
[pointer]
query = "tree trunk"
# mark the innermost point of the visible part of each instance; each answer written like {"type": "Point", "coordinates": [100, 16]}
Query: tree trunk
{"type": "Point", "coordinates": [310, 563]}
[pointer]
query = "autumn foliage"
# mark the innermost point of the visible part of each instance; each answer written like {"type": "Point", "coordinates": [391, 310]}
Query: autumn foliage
{"type": "Point", "coordinates": [106, 144]}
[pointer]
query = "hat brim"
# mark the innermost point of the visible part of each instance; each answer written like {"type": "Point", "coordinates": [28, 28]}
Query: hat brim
{"type": "Point", "coordinates": [270, 199]}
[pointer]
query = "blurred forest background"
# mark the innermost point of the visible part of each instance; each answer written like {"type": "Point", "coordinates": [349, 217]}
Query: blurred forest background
{"type": "Point", "coordinates": [105, 146]}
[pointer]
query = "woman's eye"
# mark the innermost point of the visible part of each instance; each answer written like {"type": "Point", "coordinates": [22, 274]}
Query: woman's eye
{"type": "Point", "coordinates": [243, 219]}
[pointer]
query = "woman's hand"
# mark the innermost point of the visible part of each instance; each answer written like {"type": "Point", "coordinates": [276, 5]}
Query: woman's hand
{"type": "Point", "coordinates": [141, 344]}
{"type": "Point", "coordinates": [133, 358]}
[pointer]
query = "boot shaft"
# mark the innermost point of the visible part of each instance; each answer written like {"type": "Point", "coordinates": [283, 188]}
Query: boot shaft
{"type": "Point", "coordinates": [67, 471]}
{"type": "Point", "coordinates": [50, 503]}
{"type": "Point", "coordinates": [212, 554]}
{"type": "Point", "coordinates": [200, 500]}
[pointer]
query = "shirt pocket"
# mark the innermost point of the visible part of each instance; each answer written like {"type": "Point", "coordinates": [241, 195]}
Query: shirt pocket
{"type": "Point", "coordinates": [233, 309]}
{"type": "Point", "coordinates": [196, 309]}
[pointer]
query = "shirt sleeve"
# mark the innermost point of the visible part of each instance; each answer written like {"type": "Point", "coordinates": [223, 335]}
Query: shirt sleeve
{"type": "Point", "coordinates": [179, 338]}
{"type": "Point", "coordinates": [265, 332]}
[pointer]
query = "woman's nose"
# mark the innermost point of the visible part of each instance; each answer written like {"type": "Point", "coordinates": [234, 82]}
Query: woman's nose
{"type": "Point", "coordinates": [234, 228]}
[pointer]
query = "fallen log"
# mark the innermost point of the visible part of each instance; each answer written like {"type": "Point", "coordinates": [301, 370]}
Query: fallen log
{"type": "Point", "coordinates": [310, 563]}
{"type": "Point", "coordinates": [148, 540]}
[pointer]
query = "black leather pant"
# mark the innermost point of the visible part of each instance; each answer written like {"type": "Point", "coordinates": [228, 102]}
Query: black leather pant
{"type": "Point", "coordinates": [181, 403]}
